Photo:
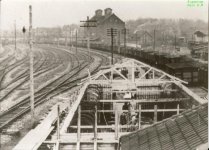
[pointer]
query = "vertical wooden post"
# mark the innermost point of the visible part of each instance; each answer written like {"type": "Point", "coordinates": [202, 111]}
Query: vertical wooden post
{"type": "Point", "coordinates": [31, 66]}
{"type": "Point", "coordinates": [76, 41]}
{"type": "Point", "coordinates": [111, 45]}
{"type": "Point", "coordinates": [177, 109]}
{"type": "Point", "coordinates": [139, 120]}
{"type": "Point", "coordinates": [133, 72]}
{"type": "Point", "coordinates": [95, 122]}
{"type": "Point", "coordinates": [118, 41]}
{"type": "Point", "coordinates": [15, 37]}
{"type": "Point", "coordinates": [95, 128]}
{"type": "Point", "coordinates": [116, 124]}
{"type": "Point", "coordinates": [0, 28]}
{"type": "Point", "coordinates": [124, 42]}
{"type": "Point", "coordinates": [66, 41]}
{"type": "Point", "coordinates": [79, 128]}
{"type": "Point", "coordinates": [154, 40]}
{"type": "Point", "coordinates": [175, 41]}
{"type": "Point", "coordinates": [58, 122]}
{"type": "Point", "coordinates": [88, 39]}
{"type": "Point", "coordinates": [70, 39]}
{"type": "Point", "coordinates": [155, 113]}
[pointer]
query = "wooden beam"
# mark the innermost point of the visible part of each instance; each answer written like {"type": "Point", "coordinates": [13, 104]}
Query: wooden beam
{"type": "Point", "coordinates": [177, 109]}
{"type": "Point", "coordinates": [141, 91]}
{"type": "Point", "coordinates": [82, 142]}
{"type": "Point", "coordinates": [79, 128]}
{"type": "Point", "coordinates": [191, 94]}
{"type": "Point", "coordinates": [58, 122]}
{"type": "Point", "coordinates": [145, 73]}
{"type": "Point", "coordinates": [139, 113]}
{"type": "Point", "coordinates": [160, 100]}
{"type": "Point", "coordinates": [143, 110]}
{"type": "Point", "coordinates": [95, 128]}
{"type": "Point", "coordinates": [102, 127]}
{"type": "Point", "coordinates": [116, 124]}
{"type": "Point", "coordinates": [155, 113]}
{"type": "Point", "coordinates": [73, 109]}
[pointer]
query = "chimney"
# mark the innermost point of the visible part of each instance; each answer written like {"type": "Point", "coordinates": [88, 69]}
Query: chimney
{"type": "Point", "coordinates": [98, 12]}
{"type": "Point", "coordinates": [108, 11]}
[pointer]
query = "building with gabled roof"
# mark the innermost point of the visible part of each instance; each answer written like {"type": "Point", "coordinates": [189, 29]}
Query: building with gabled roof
{"type": "Point", "coordinates": [200, 36]}
{"type": "Point", "coordinates": [104, 22]}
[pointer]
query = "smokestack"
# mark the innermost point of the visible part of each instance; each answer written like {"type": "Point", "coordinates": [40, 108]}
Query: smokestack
{"type": "Point", "coordinates": [98, 12]}
{"type": "Point", "coordinates": [108, 11]}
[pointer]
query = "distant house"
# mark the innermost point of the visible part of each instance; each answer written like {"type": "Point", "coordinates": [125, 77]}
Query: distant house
{"type": "Point", "coordinates": [200, 36]}
{"type": "Point", "coordinates": [104, 22]}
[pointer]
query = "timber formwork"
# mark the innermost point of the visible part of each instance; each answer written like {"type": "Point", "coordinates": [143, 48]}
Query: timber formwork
{"type": "Point", "coordinates": [123, 98]}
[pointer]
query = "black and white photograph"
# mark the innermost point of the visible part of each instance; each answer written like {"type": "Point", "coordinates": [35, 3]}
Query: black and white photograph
{"type": "Point", "coordinates": [104, 74]}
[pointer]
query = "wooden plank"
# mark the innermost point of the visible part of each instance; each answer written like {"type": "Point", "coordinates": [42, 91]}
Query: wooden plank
{"type": "Point", "coordinates": [139, 113]}
{"type": "Point", "coordinates": [144, 100]}
{"type": "Point", "coordinates": [36, 136]}
{"type": "Point", "coordinates": [190, 93]}
{"type": "Point", "coordinates": [73, 109]}
{"type": "Point", "coordinates": [79, 128]}
{"type": "Point", "coordinates": [143, 110]}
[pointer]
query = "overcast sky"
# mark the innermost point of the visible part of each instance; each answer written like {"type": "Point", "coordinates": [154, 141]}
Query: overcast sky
{"type": "Point", "coordinates": [48, 13]}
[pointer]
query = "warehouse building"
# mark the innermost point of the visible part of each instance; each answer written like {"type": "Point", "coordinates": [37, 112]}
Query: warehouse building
{"type": "Point", "coordinates": [104, 22]}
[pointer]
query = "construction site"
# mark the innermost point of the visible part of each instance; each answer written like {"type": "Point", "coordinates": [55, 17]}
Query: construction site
{"type": "Point", "coordinates": [127, 106]}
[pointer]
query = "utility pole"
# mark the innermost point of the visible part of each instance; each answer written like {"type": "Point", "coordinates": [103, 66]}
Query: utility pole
{"type": "Point", "coordinates": [154, 40]}
{"type": "Point", "coordinates": [112, 32]}
{"type": "Point", "coordinates": [70, 39]}
{"type": "Point", "coordinates": [175, 41]}
{"type": "Point", "coordinates": [31, 66]}
{"type": "Point", "coordinates": [15, 37]}
{"type": "Point", "coordinates": [124, 31]}
{"type": "Point", "coordinates": [88, 25]}
{"type": "Point", "coordinates": [66, 39]}
{"type": "Point", "coordinates": [136, 39]}
{"type": "Point", "coordinates": [0, 28]}
{"type": "Point", "coordinates": [76, 38]}
{"type": "Point", "coordinates": [118, 41]}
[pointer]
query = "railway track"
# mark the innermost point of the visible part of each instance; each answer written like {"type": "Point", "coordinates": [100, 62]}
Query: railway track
{"type": "Point", "coordinates": [39, 69]}
{"type": "Point", "coordinates": [60, 85]}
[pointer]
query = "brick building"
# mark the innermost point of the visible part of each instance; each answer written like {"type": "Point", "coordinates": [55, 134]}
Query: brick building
{"type": "Point", "coordinates": [104, 22]}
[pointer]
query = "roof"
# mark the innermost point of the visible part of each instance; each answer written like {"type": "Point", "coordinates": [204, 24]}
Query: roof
{"type": "Point", "coordinates": [181, 132]}
{"type": "Point", "coordinates": [102, 19]}
{"type": "Point", "coordinates": [180, 65]}
{"type": "Point", "coordinates": [200, 34]}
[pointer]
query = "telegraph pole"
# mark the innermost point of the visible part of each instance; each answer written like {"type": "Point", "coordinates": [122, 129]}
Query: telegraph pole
{"type": "Point", "coordinates": [124, 41]}
{"type": "Point", "coordinates": [112, 32]}
{"type": "Point", "coordinates": [87, 25]}
{"type": "Point", "coordinates": [70, 39]}
{"type": "Point", "coordinates": [0, 27]}
{"type": "Point", "coordinates": [154, 40]}
{"type": "Point", "coordinates": [175, 41]}
{"type": "Point", "coordinates": [118, 41]}
{"type": "Point", "coordinates": [31, 66]}
{"type": "Point", "coordinates": [15, 36]}
{"type": "Point", "coordinates": [76, 38]}
{"type": "Point", "coordinates": [124, 31]}
{"type": "Point", "coordinates": [66, 39]}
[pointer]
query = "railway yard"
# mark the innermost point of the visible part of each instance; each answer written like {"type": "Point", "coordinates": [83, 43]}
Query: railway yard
{"type": "Point", "coordinates": [103, 84]}
{"type": "Point", "coordinates": [48, 62]}
{"type": "Point", "coordinates": [53, 88]}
